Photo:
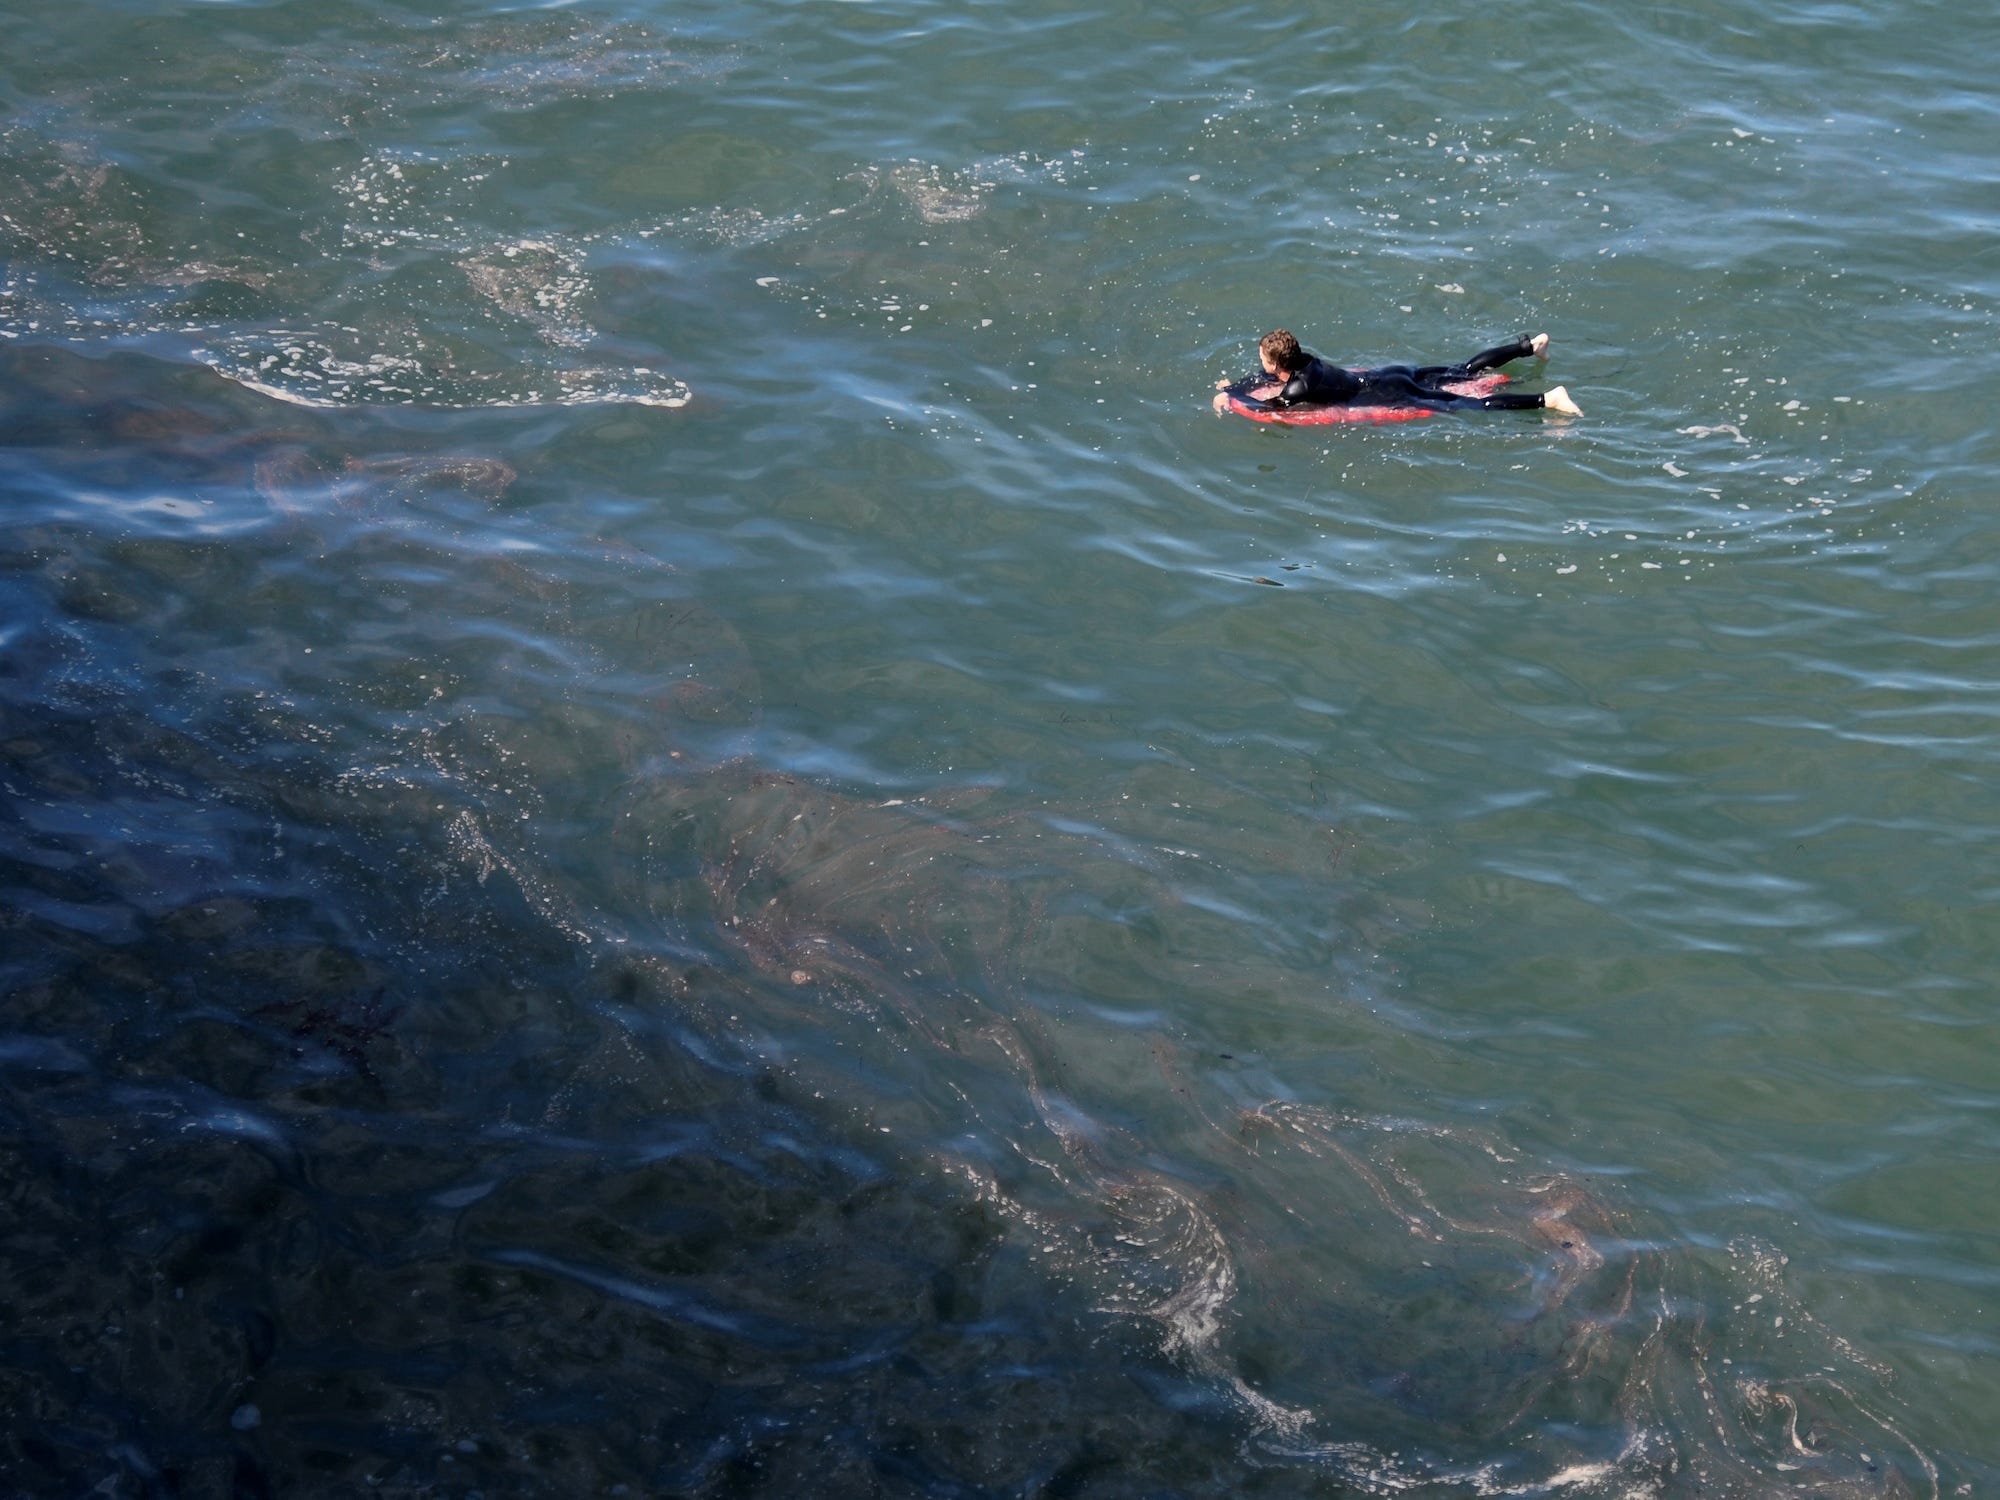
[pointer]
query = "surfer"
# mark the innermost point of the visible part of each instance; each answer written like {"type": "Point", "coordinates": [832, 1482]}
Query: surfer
{"type": "Point", "coordinates": [1295, 377]}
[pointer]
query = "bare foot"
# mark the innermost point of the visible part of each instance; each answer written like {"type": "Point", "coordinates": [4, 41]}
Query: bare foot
{"type": "Point", "coordinates": [1558, 400]}
{"type": "Point", "coordinates": [1538, 345]}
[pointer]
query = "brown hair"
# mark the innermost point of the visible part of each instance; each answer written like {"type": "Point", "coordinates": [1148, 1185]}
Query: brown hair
{"type": "Point", "coordinates": [1283, 349]}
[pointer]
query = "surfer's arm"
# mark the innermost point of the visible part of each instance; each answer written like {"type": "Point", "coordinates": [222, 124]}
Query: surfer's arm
{"type": "Point", "coordinates": [1293, 393]}
{"type": "Point", "coordinates": [1249, 390]}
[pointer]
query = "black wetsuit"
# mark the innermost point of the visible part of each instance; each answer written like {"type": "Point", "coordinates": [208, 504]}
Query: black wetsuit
{"type": "Point", "coordinates": [1319, 384]}
{"type": "Point", "coordinates": [1323, 384]}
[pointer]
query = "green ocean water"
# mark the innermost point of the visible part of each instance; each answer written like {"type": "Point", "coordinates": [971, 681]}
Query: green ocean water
{"type": "Point", "coordinates": [676, 818]}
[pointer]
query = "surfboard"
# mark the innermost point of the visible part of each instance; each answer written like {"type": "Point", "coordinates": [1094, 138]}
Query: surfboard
{"type": "Point", "coordinates": [1246, 398]}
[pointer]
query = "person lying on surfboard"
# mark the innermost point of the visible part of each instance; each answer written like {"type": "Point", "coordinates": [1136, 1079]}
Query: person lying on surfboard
{"type": "Point", "coordinates": [1293, 377]}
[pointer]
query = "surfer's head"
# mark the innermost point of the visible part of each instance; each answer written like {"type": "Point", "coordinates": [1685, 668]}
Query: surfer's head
{"type": "Point", "coordinates": [1281, 353]}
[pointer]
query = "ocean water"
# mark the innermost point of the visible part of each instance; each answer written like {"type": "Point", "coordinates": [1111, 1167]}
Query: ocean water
{"type": "Point", "coordinates": [677, 822]}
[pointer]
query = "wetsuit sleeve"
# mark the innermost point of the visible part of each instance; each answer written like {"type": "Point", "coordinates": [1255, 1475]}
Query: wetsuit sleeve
{"type": "Point", "coordinates": [1240, 390]}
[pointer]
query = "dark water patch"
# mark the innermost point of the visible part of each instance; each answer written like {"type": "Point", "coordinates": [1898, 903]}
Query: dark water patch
{"type": "Point", "coordinates": [351, 1093]}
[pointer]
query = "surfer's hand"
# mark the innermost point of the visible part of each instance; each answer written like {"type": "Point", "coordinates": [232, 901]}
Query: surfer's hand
{"type": "Point", "coordinates": [1221, 402]}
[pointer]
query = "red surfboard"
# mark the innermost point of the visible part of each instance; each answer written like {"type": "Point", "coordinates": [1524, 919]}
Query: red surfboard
{"type": "Point", "coordinates": [1328, 416]}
